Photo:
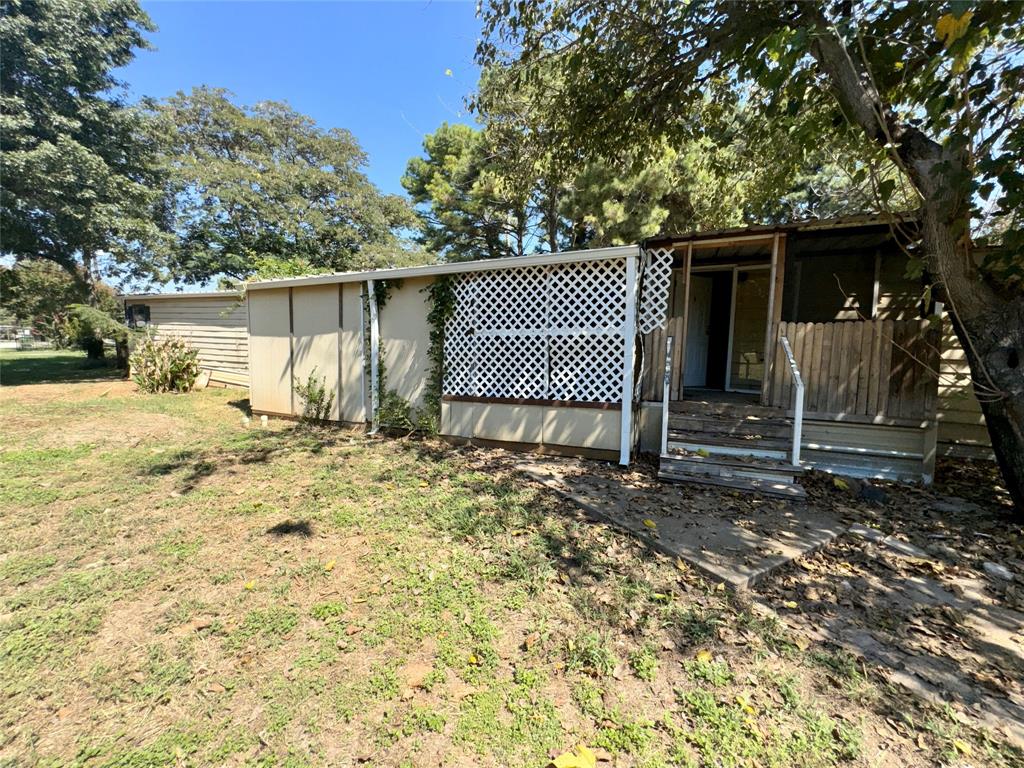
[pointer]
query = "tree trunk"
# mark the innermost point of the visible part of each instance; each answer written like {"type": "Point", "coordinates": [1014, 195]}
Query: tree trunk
{"type": "Point", "coordinates": [989, 324]}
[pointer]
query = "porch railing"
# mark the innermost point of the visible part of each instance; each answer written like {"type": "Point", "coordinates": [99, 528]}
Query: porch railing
{"type": "Point", "coordinates": [666, 385]}
{"type": "Point", "coordinates": [798, 401]}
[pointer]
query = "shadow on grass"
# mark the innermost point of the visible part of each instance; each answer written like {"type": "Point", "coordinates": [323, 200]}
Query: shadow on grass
{"type": "Point", "coordinates": [252, 446]}
{"type": "Point", "coordinates": [52, 366]}
{"type": "Point", "coordinates": [300, 528]}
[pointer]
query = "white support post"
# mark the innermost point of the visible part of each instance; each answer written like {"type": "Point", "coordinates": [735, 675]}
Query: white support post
{"type": "Point", "coordinates": [629, 351]}
{"type": "Point", "coordinates": [666, 384]}
{"type": "Point", "coordinates": [374, 357]}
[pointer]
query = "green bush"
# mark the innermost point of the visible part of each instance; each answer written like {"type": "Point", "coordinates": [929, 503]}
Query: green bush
{"type": "Point", "coordinates": [164, 365]}
{"type": "Point", "coordinates": [316, 401]}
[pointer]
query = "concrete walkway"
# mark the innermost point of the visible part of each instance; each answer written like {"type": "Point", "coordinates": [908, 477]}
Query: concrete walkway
{"type": "Point", "coordinates": [688, 522]}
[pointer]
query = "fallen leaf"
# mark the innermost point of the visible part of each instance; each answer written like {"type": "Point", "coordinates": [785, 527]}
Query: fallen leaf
{"type": "Point", "coordinates": [250, 585]}
{"type": "Point", "coordinates": [962, 747]}
{"type": "Point", "coordinates": [648, 523]}
{"type": "Point", "coordinates": [531, 640]}
{"type": "Point", "coordinates": [704, 656]}
{"type": "Point", "coordinates": [330, 566]}
{"type": "Point", "coordinates": [580, 757]}
{"type": "Point", "coordinates": [745, 704]}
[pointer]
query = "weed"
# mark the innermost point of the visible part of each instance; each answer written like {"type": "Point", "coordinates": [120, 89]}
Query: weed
{"type": "Point", "coordinates": [644, 663]}
{"type": "Point", "coordinates": [589, 653]}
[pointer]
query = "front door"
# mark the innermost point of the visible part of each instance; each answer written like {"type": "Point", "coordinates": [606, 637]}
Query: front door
{"type": "Point", "coordinates": [698, 326]}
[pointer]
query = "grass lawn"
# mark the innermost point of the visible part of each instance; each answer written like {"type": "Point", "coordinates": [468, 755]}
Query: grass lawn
{"type": "Point", "coordinates": [179, 589]}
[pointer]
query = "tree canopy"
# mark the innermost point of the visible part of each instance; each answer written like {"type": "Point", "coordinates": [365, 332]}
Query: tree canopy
{"type": "Point", "coordinates": [266, 182]}
{"type": "Point", "coordinates": [78, 176]}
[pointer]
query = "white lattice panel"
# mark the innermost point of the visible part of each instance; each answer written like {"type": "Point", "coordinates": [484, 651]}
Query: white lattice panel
{"type": "Point", "coordinates": [538, 333]}
{"type": "Point", "coordinates": [653, 310]}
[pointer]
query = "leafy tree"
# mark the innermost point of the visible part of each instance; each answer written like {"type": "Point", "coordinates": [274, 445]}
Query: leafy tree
{"type": "Point", "coordinates": [467, 208]}
{"type": "Point", "coordinates": [34, 290]}
{"type": "Point", "coordinates": [78, 173]}
{"type": "Point", "coordinates": [266, 183]}
{"type": "Point", "coordinates": [934, 86]}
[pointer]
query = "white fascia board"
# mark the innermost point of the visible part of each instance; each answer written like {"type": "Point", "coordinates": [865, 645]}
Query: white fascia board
{"type": "Point", "coordinates": [196, 295]}
{"type": "Point", "coordinates": [452, 268]}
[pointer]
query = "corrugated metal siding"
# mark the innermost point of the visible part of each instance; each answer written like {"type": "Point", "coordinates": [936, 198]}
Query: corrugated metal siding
{"type": "Point", "coordinates": [962, 430]}
{"type": "Point", "coordinates": [216, 327]}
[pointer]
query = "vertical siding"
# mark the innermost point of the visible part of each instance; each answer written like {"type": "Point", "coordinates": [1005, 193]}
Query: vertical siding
{"type": "Point", "coordinates": [354, 395]}
{"type": "Point", "coordinates": [270, 380]}
{"type": "Point", "coordinates": [405, 336]}
{"type": "Point", "coordinates": [215, 327]}
{"type": "Point", "coordinates": [315, 330]}
{"type": "Point", "coordinates": [962, 429]}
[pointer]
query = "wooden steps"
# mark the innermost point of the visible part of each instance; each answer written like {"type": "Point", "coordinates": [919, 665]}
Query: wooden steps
{"type": "Point", "coordinates": [746, 447]}
{"type": "Point", "coordinates": [741, 473]}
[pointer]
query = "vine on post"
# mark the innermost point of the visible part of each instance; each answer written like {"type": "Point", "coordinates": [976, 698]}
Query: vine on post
{"type": "Point", "coordinates": [441, 294]}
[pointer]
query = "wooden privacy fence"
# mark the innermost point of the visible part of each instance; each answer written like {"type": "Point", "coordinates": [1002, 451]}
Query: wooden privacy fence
{"type": "Point", "coordinates": [878, 368]}
{"type": "Point", "coordinates": [652, 377]}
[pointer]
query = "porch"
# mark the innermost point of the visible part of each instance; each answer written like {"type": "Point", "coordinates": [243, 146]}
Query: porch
{"type": "Point", "coordinates": [765, 368]}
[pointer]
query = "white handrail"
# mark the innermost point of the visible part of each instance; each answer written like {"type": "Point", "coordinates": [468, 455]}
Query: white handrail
{"type": "Point", "coordinates": [798, 406]}
{"type": "Point", "coordinates": [664, 395]}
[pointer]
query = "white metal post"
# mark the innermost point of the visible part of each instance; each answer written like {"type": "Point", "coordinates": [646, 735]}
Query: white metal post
{"type": "Point", "coordinates": [798, 405]}
{"type": "Point", "coordinates": [629, 351]}
{"type": "Point", "coordinates": [374, 357]}
{"type": "Point", "coordinates": [664, 395]}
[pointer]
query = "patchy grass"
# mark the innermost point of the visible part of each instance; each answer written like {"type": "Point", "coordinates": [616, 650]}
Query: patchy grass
{"type": "Point", "coordinates": [177, 589]}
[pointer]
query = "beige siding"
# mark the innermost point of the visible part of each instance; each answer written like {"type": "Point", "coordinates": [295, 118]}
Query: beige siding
{"type": "Point", "coordinates": [315, 330]}
{"type": "Point", "coordinates": [566, 427]}
{"type": "Point", "coordinates": [354, 395]}
{"type": "Point", "coordinates": [405, 339]}
{"type": "Point", "coordinates": [270, 380]}
{"type": "Point", "coordinates": [215, 327]}
{"type": "Point", "coordinates": [962, 429]}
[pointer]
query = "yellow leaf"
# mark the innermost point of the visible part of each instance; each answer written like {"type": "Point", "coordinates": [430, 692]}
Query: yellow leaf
{"type": "Point", "coordinates": [648, 523]}
{"type": "Point", "coordinates": [473, 659]}
{"type": "Point", "coordinates": [841, 484]}
{"type": "Point", "coordinates": [330, 566]}
{"type": "Point", "coordinates": [962, 747]}
{"type": "Point", "coordinates": [250, 585]}
{"type": "Point", "coordinates": [950, 28]}
{"type": "Point", "coordinates": [745, 704]}
{"type": "Point", "coordinates": [581, 757]}
{"type": "Point", "coordinates": [704, 656]}
{"type": "Point", "coordinates": [791, 604]}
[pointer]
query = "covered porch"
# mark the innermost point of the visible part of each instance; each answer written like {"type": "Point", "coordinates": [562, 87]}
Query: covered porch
{"type": "Point", "coordinates": [795, 347]}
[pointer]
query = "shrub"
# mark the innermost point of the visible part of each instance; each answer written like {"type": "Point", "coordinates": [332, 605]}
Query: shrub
{"type": "Point", "coordinates": [164, 365]}
{"type": "Point", "coordinates": [316, 401]}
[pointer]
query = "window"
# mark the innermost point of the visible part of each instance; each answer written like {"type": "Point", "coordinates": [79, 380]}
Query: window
{"type": "Point", "coordinates": [138, 315]}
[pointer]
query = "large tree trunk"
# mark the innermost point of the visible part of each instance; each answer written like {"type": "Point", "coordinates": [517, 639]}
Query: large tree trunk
{"type": "Point", "coordinates": [989, 324]}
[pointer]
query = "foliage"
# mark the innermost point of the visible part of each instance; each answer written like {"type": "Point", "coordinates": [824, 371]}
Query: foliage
{"type": "Point", "coordinates": [164, 365]}
{"type": "Point", "coordinates": [463, 208]}
{"type": "Point", "coordinates": [35, 290]}
{"type": "Point", "coordinates": [79, 172]}
{"type": "Point", "coordinates": [317, 401]}
{"type": "Point", "coordinates": [92, 324]}
{"type": "Point", "coordinates": [441, 295]}
{"type": "Point", "coordinates": [255, 187]}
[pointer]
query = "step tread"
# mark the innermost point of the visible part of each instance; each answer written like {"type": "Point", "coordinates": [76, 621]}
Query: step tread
{"type": "Point", "coordinates": [714, 438]}
{"type": "Point", "coordinates": [790, 490]}
{"type": "Point", "coordinates": [741, 462]}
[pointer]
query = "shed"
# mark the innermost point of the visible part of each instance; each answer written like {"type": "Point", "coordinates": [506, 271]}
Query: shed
{"type": "Point", "coordinates": [214, 323]}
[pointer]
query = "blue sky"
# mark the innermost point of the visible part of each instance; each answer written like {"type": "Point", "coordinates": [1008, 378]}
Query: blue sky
{"type": "Point", "coordinates": [375, 68]}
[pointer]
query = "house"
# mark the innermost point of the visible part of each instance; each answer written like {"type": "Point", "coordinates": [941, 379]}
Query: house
{"type": "Point", "coordinates": [792, 346]}
{"type": "Point", "coordinates": [214, 323]}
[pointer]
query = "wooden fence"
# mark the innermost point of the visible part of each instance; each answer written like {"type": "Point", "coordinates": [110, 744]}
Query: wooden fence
{"type": "Point", "coordinates": [853, 369]}
{"type": "Point", "coordinates": [878, 368]}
